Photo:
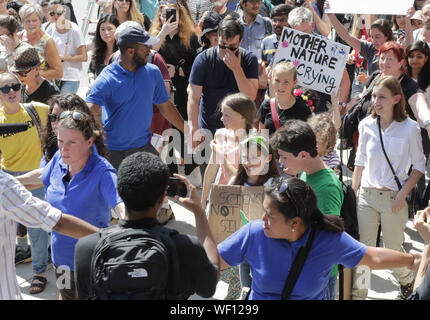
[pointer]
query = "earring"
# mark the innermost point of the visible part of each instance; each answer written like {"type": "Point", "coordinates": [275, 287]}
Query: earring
{"type": "Point", "coordinates": [292, 230]}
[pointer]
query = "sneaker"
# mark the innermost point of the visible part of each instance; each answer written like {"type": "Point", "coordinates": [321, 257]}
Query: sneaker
{"type": "Point", "coordinates": [22, 255]}
{"type": "Point", "coordinates": [405, 291]}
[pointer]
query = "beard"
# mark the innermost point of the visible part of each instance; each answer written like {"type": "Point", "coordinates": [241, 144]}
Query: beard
{"type": "Point", "coordinates": [139, 61]}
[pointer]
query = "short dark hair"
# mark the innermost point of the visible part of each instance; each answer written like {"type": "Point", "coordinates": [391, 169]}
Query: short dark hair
{"type": "Point", "coordinates": [281, 10]}
{"type": "Point", "coordinates": [295, 136]}
{"type": "Point", "coordinates": [142, 180]}
{"type": "Point", "coordinates": [230, 27]}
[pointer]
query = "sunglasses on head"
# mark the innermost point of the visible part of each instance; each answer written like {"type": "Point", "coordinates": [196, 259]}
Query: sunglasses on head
{"type": "Point", "coordinates": [14, 87]}
{"type": "Point", "coordinates": [76, 115]}
{"type": "Point", "coordinates": [58, 13]}
{"type": "Point", "coordinates": [282, 187]}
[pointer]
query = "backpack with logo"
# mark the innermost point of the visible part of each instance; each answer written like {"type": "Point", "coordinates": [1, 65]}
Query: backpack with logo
{"type": "Point", "coordinates": [134, 264]}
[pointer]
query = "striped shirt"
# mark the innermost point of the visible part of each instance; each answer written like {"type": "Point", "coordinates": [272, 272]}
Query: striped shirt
{"type": "Point", "coordinates": [18, 205]}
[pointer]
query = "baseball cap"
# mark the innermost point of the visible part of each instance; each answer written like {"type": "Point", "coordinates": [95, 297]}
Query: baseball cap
{"type": "Point", "coordinates": [134, 34]}
{"type": "Point", "coordinates": [210, 23]}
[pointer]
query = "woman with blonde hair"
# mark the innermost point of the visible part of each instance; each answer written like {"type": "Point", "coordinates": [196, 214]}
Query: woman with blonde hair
{"type": "Point", "coordinates": [32, 17]}
{"type": "Point", "coordinates": [284, 105]}
{"type": "Point", "coordinates": [126, 10]}
{"type": "Point", "coordinates": [178, 46]}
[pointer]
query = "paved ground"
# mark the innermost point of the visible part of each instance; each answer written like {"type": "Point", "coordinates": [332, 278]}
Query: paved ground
{"type": "Point", "coordinates": [383, 283]}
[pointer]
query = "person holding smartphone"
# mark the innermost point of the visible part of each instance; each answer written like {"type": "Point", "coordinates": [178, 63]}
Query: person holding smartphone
{"type": "Point", "coordinates": [178, 46]}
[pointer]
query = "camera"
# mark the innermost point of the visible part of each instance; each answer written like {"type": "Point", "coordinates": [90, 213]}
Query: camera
{"type": "Point", "coordinates": [176, 187]}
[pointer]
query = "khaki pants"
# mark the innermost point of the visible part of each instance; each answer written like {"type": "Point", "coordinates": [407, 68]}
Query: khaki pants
{"type": "Point", "coordinates": [374, 207]}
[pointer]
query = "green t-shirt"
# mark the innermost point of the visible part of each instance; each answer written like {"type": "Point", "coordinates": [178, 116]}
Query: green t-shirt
{"type": "Point", "coordinates": [329, 193]}
{"type": "Point", "coordinates": [328, 190]}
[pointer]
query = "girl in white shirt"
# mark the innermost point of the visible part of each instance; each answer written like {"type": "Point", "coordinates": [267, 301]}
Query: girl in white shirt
{"type": "Point", "coordinates": [379, 199]}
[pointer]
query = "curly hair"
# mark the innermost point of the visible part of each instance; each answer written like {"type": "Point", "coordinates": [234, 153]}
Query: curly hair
{"type": "Point", "coordinates": [185, 24]}
{"type": "Point", "coordinates": [324, 130]}
{"type": "Point", "coordinates": [142, 180]}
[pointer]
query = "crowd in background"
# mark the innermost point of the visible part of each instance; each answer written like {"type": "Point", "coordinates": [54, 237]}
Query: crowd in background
{"type": "Point", "coordinates": [206, 69]}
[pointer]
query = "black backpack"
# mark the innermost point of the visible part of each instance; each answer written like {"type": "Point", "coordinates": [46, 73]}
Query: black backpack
{"type": "Point", "coordinates": [134, 264]}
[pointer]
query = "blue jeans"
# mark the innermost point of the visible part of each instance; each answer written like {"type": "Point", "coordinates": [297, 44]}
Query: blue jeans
{"type": "Point", "coordinates": [331, 289]}
{"type": "Point", "coordinates": [69, 86]}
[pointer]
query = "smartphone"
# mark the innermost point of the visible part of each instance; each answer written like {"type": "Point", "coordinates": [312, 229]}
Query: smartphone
{"type": "Point", "coordinates": [176, 187]}
{"type": "Point", "coordinates": [171, 12]}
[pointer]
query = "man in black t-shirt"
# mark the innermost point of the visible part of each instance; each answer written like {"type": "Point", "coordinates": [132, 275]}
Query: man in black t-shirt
{"type": "Point", "coordinates": [142, 183]}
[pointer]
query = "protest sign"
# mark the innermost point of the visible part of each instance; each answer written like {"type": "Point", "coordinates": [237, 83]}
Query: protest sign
{"type": "Point", "coordinates": [320, 62]}
{"type": "Point", "coordinates": [225, 205]}
{"type": "Point", "coordinates": [385, 7]}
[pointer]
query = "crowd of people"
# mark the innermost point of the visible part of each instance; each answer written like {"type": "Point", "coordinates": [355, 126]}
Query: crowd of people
{"type": "Point", "coordinates": [201, 76]}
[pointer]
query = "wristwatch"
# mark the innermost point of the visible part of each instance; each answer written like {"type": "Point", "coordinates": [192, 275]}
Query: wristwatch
{"type": "Point", "coordinates": [426, 123]}
{"type": "Point", "coordinates": [343, 104]}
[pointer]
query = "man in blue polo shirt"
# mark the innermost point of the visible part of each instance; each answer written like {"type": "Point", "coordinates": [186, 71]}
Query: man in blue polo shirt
{"type": "Point", "coordinates": [121, 98]}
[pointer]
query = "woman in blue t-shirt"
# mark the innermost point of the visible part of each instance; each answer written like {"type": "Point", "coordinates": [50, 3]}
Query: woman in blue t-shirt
{"type": "Point", "coordinates": [270, 245]}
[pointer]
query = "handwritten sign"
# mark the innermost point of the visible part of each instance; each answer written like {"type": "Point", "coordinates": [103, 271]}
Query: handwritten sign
{"type": "Point", "coordinates": [386, 7]}
{"type": "Point", "coordinates": [319, 61]}
{"type": "Point", "coordinates": [225, 204]}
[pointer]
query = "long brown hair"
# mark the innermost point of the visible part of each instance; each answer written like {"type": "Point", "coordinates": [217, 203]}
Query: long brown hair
{"type": "Point", "coordinates": [185, 24]}
{"type": "Point", "coordinates": [392, 84]}
{"type": "Point", "coordinates": [133, 13]}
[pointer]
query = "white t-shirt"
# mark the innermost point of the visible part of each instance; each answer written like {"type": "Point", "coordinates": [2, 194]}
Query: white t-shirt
{"type": "Point", "coordinates": [68, 44]}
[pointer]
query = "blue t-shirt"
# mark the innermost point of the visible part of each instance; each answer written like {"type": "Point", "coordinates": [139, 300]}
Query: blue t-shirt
{"type": "Point", "coordinates": [271, 260]}
{"type": "Point", "coordinates": [126, 100]}
{"type": "Point", "coordinates": [89, 196]}
{"type": "Point", "coordinates": [217, 81]}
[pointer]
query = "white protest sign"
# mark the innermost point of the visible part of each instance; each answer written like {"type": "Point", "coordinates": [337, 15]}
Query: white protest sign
{"type": "Point", "coordinates": [320, 62]}
{"type": "Point", "coordinates": [386, 7]}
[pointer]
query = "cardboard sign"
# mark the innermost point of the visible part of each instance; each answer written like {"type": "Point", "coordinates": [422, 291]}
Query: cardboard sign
{"type": "Point", "coordinates": [385, 7]}
{"type": "Point", "coordinates": [225, 204]}
{"type": "Point", "coordinates": [320, 62]}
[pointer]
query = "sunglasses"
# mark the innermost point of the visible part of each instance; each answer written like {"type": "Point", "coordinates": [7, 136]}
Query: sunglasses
{"type": "Point", "coordinates": [58, 13]}
{"type": "Point", "coordinates": [283, 188]}
{"type": "Point", "coordinates": [14, 87]}
{"type": "Point", "coordinates": [22, 73]}
{"type": "Point", "coordinates": [76, 115]}
{"type": "Point", "coordinates": [123, 0]}
{"type": "Point", "coordinates": [221, 46]}
{"type": "Point", "coordinates": [53, 117]}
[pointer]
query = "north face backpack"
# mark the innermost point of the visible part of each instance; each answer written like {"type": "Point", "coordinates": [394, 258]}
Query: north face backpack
{"type": "Point", "coordinates": [134, 264]}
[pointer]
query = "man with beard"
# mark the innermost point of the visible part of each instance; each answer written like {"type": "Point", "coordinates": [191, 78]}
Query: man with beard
{"type": "Point", "coordinates": [122, 96]}
{"type": "Point", "coordinates": [255, 26]}
{"type": "Point", "coordinates": [279, 16]}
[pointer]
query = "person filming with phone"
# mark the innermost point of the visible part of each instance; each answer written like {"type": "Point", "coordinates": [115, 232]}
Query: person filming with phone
{"type": "Point", "coordinates": [192, 262]}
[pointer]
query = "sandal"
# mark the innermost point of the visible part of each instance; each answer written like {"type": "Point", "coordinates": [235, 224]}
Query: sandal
{"type": "Point", "coordinates": [38, 284]}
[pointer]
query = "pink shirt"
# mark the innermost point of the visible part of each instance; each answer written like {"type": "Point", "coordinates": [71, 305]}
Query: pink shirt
{"type": "Point", "coordinates": [226, 142]}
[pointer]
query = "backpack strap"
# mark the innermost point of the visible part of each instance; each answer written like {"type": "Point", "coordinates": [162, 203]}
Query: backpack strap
{"type": "Point", "coordinates": [297, 267]}
{"type": "Point", "coordinates": [32, 112]}
{"type": "Point", "coordinates": [275, 116]}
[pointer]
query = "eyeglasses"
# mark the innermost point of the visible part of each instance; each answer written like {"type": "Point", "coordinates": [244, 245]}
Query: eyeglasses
{"type": "Point", "coordinates": [123, 0]}
{"type": "Point", "coordinates": [222, 46]}
{"type": "Point", "coordinates": [14, 87]}
{"type": "Point", "coordinates": [76, 115]}
{"type": "Point", "coordinates": [22, 73]}
{"type": "Point", "coordinates": [164, 2]}
{"type": "Point", "coordinates": [53, 117]}
{"type": "Point", "coordinates": [58, 13]}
